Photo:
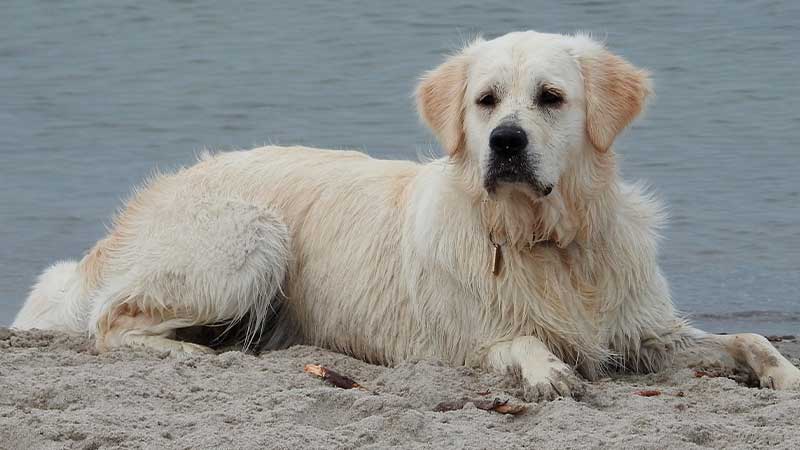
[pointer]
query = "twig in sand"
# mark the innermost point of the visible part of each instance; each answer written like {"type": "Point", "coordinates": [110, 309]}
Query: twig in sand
{"type": "Point", "coordinates": [648, 393]}
{"type": "Point", "coordinates": [698, 373]}
{"type": "Point", "coordinates": [496, 405]}
{"type": "Point", "coordinates": [331, 377]}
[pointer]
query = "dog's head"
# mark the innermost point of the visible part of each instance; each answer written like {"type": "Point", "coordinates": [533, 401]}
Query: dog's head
{"type": "Point", "coordinates": [522, 109]}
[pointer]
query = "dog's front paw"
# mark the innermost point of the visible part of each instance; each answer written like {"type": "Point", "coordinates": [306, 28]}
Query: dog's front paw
{"type": "Point", "coordinates": [193, 349]}
{"type": "Point", "coordinates": [557, 382]}
{"type": "Point", "coordinates": [781, 378]}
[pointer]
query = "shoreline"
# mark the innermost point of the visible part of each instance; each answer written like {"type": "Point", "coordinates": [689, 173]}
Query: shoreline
{"type": "Point", "coordinates": [57, 392]}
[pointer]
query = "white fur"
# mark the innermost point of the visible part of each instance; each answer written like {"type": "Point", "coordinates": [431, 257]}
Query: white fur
{"type": "Point", "coordinates": [57, 302]}
{"type": "Point", "coordinates": [388, 260]}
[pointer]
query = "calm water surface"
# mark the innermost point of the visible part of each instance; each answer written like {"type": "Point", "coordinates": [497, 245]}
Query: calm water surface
{"type": "Point", "coordinates": [94, 95]}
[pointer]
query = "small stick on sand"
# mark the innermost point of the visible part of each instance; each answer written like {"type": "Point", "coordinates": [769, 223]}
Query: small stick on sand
{"type": "Point", "coordinates": [495, 405]}
{"type": "Point", "coordinates": [331, 377]}
{"type": "Point", "coordinates": [648, 393]}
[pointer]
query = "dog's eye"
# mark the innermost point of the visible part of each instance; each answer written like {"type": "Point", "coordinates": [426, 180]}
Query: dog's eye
{"type": "Point", "coordinates": [488, 100]}
{"type": "Point", "coordinates": [551, 97]}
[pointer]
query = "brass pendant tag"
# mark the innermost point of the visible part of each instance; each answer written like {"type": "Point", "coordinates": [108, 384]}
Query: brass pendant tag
{"type": "Point", "coordinates": [497, 259]}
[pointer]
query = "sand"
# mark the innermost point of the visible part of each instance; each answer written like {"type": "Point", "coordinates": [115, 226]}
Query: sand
{"type": "Point", "coordinates": [56, 392]}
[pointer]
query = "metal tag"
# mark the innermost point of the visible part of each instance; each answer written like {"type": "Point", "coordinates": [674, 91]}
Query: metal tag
{"type": "Point", "coordinates": [497, 259]}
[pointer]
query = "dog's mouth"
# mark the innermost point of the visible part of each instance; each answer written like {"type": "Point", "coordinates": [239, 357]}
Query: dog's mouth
{"type": "Point", "coordinates": [513, 172]}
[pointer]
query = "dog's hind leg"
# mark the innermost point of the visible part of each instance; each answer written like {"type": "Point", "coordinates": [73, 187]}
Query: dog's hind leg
{"type": "Point", "coordinates": [134, 328]}
{"type": "Point", "coordinates": [177, 259]}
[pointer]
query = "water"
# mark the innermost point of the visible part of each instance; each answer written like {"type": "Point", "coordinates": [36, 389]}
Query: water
{"type": "Point", "coordinates": [94, 95]}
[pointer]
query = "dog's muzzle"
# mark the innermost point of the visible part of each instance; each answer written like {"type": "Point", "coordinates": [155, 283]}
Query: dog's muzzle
{"type": "Point", "coordinates": [509, 161]}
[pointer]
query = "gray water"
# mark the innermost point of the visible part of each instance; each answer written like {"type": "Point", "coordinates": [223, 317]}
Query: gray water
{"type": "Point", "coordinates": [94, 95]}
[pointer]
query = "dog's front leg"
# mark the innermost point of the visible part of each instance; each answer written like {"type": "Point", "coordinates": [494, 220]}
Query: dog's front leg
{"type": "Point", "coordinates": [544, 376]}
{"type": "Point", "coordinates": [751, 352]}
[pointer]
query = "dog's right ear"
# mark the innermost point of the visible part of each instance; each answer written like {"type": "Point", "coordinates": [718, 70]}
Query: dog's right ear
{"type": "Point", "coordinates": [440, 101]}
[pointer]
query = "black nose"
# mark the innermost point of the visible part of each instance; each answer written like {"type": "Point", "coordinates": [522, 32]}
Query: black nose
{"type": "Point", "coordinates": [508, 139]}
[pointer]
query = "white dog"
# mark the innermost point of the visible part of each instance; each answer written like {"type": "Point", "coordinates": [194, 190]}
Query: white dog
{"type": "Point", "coordinates": [522, 250]}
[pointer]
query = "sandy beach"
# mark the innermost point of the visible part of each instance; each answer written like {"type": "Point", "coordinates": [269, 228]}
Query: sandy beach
{"type": "Point", "coordinates": [57, 392]}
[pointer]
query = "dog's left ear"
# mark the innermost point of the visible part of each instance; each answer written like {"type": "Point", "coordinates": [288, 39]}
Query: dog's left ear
{"type": "Point", "coordinates": [616, 91]}
{"type": "Point", "coordinates": [440, 101]}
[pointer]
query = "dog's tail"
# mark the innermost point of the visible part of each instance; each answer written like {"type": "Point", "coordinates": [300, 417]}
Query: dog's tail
{"type": "Point", "coordinates": [58, 301]}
